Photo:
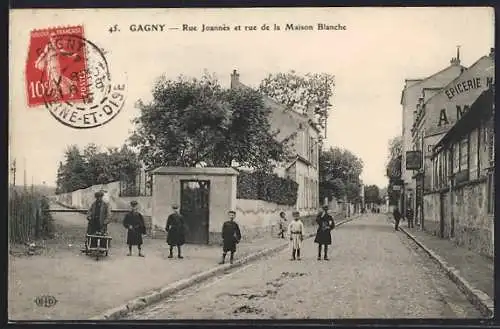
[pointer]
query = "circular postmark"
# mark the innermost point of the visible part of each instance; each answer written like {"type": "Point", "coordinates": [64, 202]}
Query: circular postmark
{"type": "Point", "coordinates": [79, 90]}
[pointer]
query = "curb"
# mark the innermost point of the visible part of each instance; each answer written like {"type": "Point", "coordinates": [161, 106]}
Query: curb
{"type": "Point", "coordinates": [477, 297]}
{"type": "Point", "coordinates": [162, 293]}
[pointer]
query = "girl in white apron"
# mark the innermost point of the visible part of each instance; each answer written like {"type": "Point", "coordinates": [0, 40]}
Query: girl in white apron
{"type": "Point", "coordinates": [296, 234]}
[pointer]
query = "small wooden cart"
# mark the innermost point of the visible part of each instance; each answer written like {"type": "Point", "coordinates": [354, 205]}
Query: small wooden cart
{"type": "Point", "coordinates": [97, 245]}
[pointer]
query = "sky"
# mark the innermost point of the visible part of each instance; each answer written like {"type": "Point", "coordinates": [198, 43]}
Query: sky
{"type": "Point", "coordinates": [371, 58]}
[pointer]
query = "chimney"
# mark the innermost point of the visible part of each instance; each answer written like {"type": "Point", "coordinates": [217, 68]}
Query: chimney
{"type": "Point", "coordinates": [456, 60]}
{"type": "Point", "coordinates": [235, 79]}
{"type": "Point", "coordinates": [492, 52]}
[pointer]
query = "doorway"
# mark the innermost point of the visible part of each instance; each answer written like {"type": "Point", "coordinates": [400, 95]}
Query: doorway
{"type": "Point", "coordinates": [441, 214]}
{"type": "Point", "coordinates": [195, 210]}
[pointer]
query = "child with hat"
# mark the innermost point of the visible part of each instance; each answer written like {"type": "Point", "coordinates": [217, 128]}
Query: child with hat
{"type": "Point", "coordinates": [134, 223]}
{"type": "Point", "coordinates": [231, 236]}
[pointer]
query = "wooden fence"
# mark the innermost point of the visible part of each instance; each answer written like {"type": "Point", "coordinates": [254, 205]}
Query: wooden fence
{"type": "Point", "coordinates": [28, 218]}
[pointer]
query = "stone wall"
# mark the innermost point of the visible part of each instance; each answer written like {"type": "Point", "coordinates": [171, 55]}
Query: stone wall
{"type": "Point", "coordinates": [258, 218]}
{"type": "Point", "coordinates": [473, 225]}
{"type": "Point", "coordinates": [82, 199]}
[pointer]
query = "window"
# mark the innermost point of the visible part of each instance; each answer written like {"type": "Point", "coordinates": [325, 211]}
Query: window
{"type": "Point", "coordinates": [491, 143]}
{"type": "Point", "coordinates": [464, 154]}
{"type": "Point", "coordinates": [474, 158]}
{"type": "Point", "coordinates": [456, 158]}
{"type": "Point", "coordinates": [440, 170]}
{"type": "Point", "coordinates": [491, 193]}
{"type": "Point", "coordinates": [435, 184]}
{"type": "Point", "coordinates": [446, 165]}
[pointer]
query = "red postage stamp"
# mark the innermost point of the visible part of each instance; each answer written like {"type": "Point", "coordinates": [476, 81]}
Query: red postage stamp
{"type": "Point", "coordinates": [56, 67]}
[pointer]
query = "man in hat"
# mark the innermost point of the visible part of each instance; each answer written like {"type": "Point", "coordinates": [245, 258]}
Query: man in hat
{"type": "Point", "coordinates": [134, 223]}
{"type": "Point", "coordinates": [98, 216]}
{"type": "Point", "coordinates": [323, 235]}
{"type": "Point", "coordinates": [175, 231]}
{"type": "Point", "coordinates": [231, 236]}
{"type": "Point", "coordinates": [296, 234]}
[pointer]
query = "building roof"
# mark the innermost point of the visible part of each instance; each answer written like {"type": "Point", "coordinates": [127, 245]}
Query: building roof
{"type": "Point", "coordinates": [287, 121]}
{"type": "Point", "coordinates": [416, 82]}
{"type": "Point", "coordinates": [452, 82]}
{"type": "Point", "coordinates": [480, 109]}
{"type": "Point", "coordinates": [189, 171]}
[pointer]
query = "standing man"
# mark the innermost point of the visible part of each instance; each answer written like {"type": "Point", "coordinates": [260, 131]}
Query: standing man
{"type": "Point", "coordinates": [323, 235]}
{"type": "Point", "coordinates": [98, 217]}
{"type": "Point", "coordinates": [175, 231]}
{"type": "Point", "coordinates": [296, 233]}
{"type": "Point", "coordinates": [397, 218]}
{"type": "Point", "coordinates": [134, 223]}
{"type": "Point", "coordinates": [231, 236]}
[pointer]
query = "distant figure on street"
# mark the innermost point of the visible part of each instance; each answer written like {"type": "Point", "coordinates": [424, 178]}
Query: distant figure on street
{"type": "Point", "coordinates": [397, 217]}
{"type": "Point", "coordinates": [231, 236]}
{"type": "Point", "coordinates": [323, 235]}
{"type": "Point", "coordinates": [134, 223]}
{"type": "Point", "coordinates": [409, 217]}
{"type": "Point", "coordinates": [175, 232]}
{"type": "Point", "coordinates": [282, 223]}
{"type": "Point", "coordinates": [296, 234]}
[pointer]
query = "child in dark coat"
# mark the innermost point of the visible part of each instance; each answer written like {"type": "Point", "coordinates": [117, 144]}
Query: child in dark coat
{"type": "Point", "coordinates": [134, 223]}
{"type": "Point", "coordinates": [231, 236]}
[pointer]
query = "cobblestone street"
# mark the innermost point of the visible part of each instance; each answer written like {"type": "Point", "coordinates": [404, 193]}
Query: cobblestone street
{"type": "Point", "coordinates": [373, 272]}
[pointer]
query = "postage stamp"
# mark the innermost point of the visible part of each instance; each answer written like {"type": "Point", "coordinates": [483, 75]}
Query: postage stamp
{"type": "Point", "coordinates": [70, 76]}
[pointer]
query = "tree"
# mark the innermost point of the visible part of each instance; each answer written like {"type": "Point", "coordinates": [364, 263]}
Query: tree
{"type": "Point", "coordinates": [191, 122]}
{"type": "Point", "coordinates": [372, 194]}
{"type": "Point", "coordinates": [72, 174]}
{"type": "Point", "coordinates": [92, 166]}
{"type": "Point", "coordinates": [393, 168]}
{"type": "Point", "coordinates": [338, 165]}
{"type": "Point", "coordinates": [300, 92]}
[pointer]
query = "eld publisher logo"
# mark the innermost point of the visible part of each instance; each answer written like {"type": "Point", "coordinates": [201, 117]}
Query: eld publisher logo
{"type": "Point", "coordinates": [45, 301]}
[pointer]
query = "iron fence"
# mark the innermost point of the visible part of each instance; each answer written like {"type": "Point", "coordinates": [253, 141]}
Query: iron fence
{"type": "Point", "coordinates": [140, 185]}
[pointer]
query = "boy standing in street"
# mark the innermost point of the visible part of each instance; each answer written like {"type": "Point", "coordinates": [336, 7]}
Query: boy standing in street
{"type": "Point", "coordinates": [134, 223]}
{"type": "Point", "coordinates": [282, 224]}
{"type": "Point", "coordinates": [231, 236]}
{"type": "Point", "coordinates": [296, 233]}
{"type": "Point", "coordinates": [175, 232]}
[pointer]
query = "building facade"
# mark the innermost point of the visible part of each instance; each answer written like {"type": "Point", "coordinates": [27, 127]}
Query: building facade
{"type": "Point", "coordinates": [303, 135]}
{"type": "Point", "coordinates": [436, 115]}
{"type": "Point", "coordinates": [413, 96]}
{"type": "Point", "coordinates": [461, 203]}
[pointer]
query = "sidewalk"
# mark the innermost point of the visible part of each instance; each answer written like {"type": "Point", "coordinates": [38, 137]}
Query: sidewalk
{"type": "Point", "coordinates": [85, 288]}
{"type": "Point", "coordinates": [476, 269]}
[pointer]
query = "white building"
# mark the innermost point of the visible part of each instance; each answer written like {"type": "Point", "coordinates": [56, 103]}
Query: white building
{"type": "Point", "coordinates": [303, 134]}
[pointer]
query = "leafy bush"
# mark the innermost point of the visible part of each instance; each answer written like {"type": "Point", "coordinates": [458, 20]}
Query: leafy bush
{"type": "Point", "coordinates": [267, 187]}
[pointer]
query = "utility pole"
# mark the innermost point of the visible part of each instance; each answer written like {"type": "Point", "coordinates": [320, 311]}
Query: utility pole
{"type": "Point", "coordinates": [13, 170]}
{"type": "Point", "coordinates": [24, 178]}
{"type": "Point", "coordinates": [326, 108]}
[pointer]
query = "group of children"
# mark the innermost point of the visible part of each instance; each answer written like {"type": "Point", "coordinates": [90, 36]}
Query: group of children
{"type": "Point", "coordinates": [175, 228]}
{"type": "Point", "coordinates": [231, 234]}
{"type": "Point", "coordinates": [296, 232]}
